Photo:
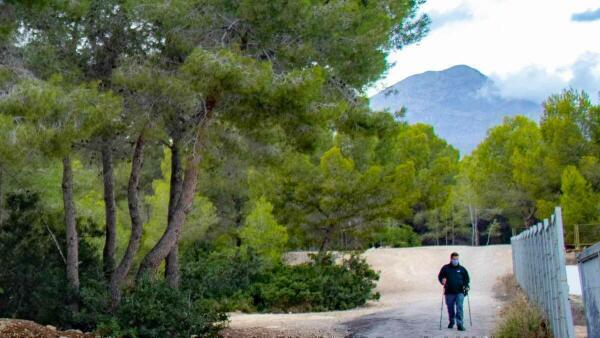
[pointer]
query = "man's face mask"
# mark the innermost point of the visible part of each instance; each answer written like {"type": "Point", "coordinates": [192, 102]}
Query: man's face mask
{"type": "Point", "coordinates": [454, 261]}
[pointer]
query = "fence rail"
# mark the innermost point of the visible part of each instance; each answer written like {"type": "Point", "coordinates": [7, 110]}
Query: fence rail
{"type": "Point", "coordinates": [539, 267]}
{"type": "Point", "coordinates": [589, 273]}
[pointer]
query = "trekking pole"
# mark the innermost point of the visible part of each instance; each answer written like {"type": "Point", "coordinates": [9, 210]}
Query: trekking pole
{"type": "Point", "coordinates": [441, 312]}
{"type": "Point", "coordinates": [469, 303]}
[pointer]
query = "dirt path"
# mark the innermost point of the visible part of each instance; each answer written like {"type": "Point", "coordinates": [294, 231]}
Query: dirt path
{"type": "Point", "coordinates": [410, 302]}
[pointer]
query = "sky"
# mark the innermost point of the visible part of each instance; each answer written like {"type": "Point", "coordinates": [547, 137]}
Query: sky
{"type": "Point", "coordinates": [530, 48]}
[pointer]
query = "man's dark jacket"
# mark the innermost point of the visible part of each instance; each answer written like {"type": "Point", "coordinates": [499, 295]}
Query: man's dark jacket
{"type": "Point", "coordinates": [457, 278]}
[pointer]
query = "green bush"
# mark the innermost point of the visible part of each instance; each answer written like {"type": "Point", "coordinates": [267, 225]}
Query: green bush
{"type": "Point", "coordinates": [235, 279]}
{"type": "Point", "coordinates": [219, 274]}
{"type": "Point", "coordinates": [154, 309]}
{"type": "Point", "coordinates": [397, 237]}
{"type": "Point", "coordinates": [320, 285]}
{"type": "Point", "coordinates": [33, 271]}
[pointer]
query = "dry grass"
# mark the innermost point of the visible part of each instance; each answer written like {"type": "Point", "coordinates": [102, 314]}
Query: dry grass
{"type": "Point", "coordinates": [506, 288]}
{"type": "Point", "coordinates": [518, 318]}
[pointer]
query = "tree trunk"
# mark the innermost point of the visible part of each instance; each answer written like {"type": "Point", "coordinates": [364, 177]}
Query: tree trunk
{"type": "Point", "coordinates": [136, 223]}
{"type": "Point", "coordinates": [529, 217]}
{"type": "Point", "coordinates": [172, 260]}
{"type": "Point", "coordinates": [170, 237]}
{"type": "Point", "coordinates": [326, 239]}
{"type": "Point", "coordinates": [110, 207]}
{"type": "Point", "coordinates": [474, 222]}
{"type": "Point", "coordinates": [172, 266]}
{"type": "Point", "coordinates": [71, 229]}
{"type": "Point", "coordinates": [1, 198]}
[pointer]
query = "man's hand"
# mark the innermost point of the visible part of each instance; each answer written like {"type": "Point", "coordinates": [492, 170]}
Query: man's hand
{"type": "Point", "coordinates": [466, 290]}
{"type": "Point", "coordinates": [444, 281]}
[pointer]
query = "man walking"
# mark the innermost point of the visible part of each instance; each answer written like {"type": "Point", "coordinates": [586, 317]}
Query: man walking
{"type": "Point", "coordinates": [455, 279]}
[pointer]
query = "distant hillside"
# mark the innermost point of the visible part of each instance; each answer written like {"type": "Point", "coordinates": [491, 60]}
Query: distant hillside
{"type": "Point", "coordinates": [459, 102]}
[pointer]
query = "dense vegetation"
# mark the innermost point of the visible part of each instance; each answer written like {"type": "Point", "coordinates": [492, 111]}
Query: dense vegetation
{"type": "Point", "coordinates": [524, 169]}
{"type": "Point", "coordinates": [168, 153]}
{"type": "Point", "coordinates": [146, 145]}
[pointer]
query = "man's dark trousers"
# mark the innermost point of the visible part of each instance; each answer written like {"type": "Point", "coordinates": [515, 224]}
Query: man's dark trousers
{"type": "Point", "coordinates": [455, 308]}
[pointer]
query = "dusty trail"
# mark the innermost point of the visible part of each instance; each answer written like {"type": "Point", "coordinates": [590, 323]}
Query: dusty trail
{"type": "Point", "coordinates": [410, 298]}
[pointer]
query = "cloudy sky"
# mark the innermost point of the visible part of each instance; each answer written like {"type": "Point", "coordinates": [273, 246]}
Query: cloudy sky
{"type": "Point", "coordinates": [531, 48]}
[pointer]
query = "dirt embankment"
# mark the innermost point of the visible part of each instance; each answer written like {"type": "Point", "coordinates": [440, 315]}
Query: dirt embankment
{"type": "Point", "coordinates": [16, 328]}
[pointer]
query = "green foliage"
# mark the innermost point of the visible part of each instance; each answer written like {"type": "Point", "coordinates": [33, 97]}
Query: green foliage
{"type": "Point", "coordinates": [273, 79]}
{"type": "Point", "coordinates": [154, 309]}
{"type": "Point", "coordinates": [223, 275]}
{"type": "Point", "coordinates": [397, 236]}
{"type": "Point", "coordinates": [33, 279]}
{"type": "Point", "coordinates": [320, 285]}
{"type": "Point", "coordinates": [263, 234]}
{"type": "Point", "coordinates": [7, 23]}
{"type": "Point", "coordinates": [234, 279]}
{"type": "Point", "coordinates": [351, 37]}
{"type": "Point", "coordinates": [50, 108]}
{"type": "Point", "coordinates": [525, 170]}
{"type": "Point", "coordinates": [579, 201]}
{"type": "Point", "coordinates": [506, 170]}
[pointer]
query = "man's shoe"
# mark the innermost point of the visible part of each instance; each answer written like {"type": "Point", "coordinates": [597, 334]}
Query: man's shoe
{"type": "Point", "coordinates": [461, 328]}
{"type": "Point", "coordinates": [451, 325]}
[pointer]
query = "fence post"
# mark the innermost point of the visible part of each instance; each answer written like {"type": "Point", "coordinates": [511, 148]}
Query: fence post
{"type": "Point", "coordinates": [576, 236]}
{"type": "Point", "coordinates": [564, 289]}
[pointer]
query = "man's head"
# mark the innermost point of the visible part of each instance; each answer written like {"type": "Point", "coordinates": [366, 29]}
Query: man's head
{"type": "Point", "coordinates": [454, 258]}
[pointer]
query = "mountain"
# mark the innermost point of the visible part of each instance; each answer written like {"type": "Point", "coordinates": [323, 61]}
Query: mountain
{"type": "Point", "coordinates": [460, 103]}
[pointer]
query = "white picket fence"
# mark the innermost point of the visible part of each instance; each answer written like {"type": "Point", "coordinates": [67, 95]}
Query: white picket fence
{"type": "Point", "coordinates": [539, 267]}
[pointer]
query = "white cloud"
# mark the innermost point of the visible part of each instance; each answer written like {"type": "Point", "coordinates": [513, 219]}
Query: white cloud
{"type": "Point", "coordinates": [442, 17]}
{"type": "Point", "coordinates": [589, 15]}
{"type": "Point", "coordinates": [505, 38]}
{"type": "Point", "coordinates": [536, 83]}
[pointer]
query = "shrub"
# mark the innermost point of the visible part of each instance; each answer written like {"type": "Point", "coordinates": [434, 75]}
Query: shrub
{"type": "Point", "coordinates": [154, 309]}
{"type": "Point", "coordinates": [320, 285]}
{"type": "Point", "coordinates": [219, 274]}
{"type": "Point", "coordinates": [518, 318]}
{"type": "Point", "coordinates": [397, 236]}
{"type": "Point", "coordinates": [33, 271]}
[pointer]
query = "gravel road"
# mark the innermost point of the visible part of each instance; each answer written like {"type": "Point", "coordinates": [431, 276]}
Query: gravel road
{"type": "Point", "coordinates": [410, 299]}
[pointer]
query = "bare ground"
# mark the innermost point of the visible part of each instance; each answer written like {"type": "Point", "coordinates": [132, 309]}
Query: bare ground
{"type": "Point", "coordinates": [410, 299]}
{"type": "Point", "coordinates": [17, 328]}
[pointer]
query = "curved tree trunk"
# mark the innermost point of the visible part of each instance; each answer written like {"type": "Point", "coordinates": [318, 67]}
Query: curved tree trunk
{"type": "Point", "coordinates": [71, 229]}
{"type": "Point", "coordinates": [172, 260]}
{"type": "Point", "coordinates": [171, 235]}
{"type": "Point", "coordinates": [183, 206]}
{"type": "Point", "coordinates": [135, 239]}
{"type": "Point", "coordinates": [172, 266]}
{"type": "Point", "coordinates": [110, 243]}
